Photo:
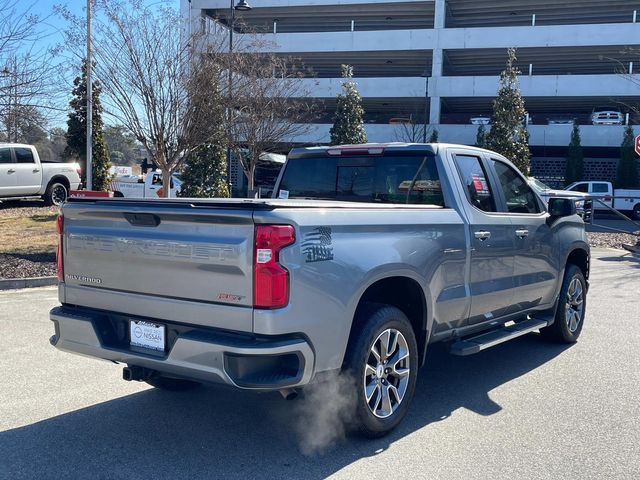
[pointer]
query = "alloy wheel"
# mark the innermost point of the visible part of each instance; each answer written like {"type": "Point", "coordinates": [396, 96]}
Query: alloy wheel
{"type": "Point", "coordinates": [58, 195]}
{"type": "Point", "coordinates": [386, 373]}
{"type": "Point", "coordinates": [574, 307]}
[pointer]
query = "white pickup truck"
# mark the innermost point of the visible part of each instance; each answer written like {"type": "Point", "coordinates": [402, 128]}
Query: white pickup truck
{"type": "Point", "coordinates": [620, 199]}
{"type": "Point", "coordinates": [149, 186]}
{"type": "Point", "coordinates": [23, 175]}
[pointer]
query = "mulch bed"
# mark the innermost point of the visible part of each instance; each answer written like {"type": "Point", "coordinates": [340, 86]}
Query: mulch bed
{"type": "Point", "coordinates": [27, 265]}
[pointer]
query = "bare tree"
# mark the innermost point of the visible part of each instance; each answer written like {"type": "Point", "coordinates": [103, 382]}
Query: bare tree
{"type": "Point", "coordinates": [410, 131]}
{"type": "Point", "coordinates": [27, 73]}
{"type": "Point", "coordinates": [627, 57]}
{"type": "Point", "coordinates": [154, 82]}
{"type": "Point", "coordinates": [270, 105]}
{"type": "Point", "coordinates": [158, 81]}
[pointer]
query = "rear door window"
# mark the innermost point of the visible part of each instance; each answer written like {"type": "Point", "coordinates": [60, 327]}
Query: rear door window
{"type": "Point", "coordinates": [600, 188]}
{"type": "Point", "coordinates": [475, 183]}
{"type": "Point", "coordinates": [373, 179]}
{"type": "Point", "coordinates": [5, 155]}
{"type": "Point", "coordinates": [24, 155]}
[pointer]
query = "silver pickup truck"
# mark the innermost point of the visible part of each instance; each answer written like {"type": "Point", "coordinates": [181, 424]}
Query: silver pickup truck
{"type": "Point", "coordinates": [372, 253]}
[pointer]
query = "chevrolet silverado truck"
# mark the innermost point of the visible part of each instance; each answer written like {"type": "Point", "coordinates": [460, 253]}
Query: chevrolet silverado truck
{"type": "Point", "coordinates": [368, 255]}
{"type": "Point", "coordinates": [23, 175]}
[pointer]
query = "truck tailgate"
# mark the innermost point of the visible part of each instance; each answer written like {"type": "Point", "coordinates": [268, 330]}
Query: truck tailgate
{"type": "Point", "coordinates": [148, 259]}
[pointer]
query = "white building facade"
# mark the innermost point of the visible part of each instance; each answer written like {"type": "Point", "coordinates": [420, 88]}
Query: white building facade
{"type": "Point", "coordinates": [440, 60]}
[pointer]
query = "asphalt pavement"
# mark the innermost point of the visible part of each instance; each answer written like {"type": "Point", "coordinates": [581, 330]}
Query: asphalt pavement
{"type": "Point", "coordinates": [525, 409]}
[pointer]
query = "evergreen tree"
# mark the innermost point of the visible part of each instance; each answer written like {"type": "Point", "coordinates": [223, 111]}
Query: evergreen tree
{"type": "Point", "coordinates": [77, 132]}
{"type": "Point", "coordinates": [575, 158]}
{"type": "Point", "coordinates": [508, 136]}
{"type": "Point", "coordinates": [434, 136]}
{"type": "Point", "coordinates": [205, 172]}
{"type": "Point", "coordinates": [481, 137]}
{"type": "Point", "coordinates": [627, 175]}
{"type": "Point", "coordinates": [348, 124]}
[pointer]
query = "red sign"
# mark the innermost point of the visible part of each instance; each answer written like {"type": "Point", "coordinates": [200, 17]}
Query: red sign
{"type": "Point", "coordinates": [90, 194]}
{"type": "Point", "coordinates": [638, 145]}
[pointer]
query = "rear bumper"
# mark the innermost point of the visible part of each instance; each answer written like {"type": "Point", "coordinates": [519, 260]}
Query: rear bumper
{"type": "Point", "coordinates": [192, 352]}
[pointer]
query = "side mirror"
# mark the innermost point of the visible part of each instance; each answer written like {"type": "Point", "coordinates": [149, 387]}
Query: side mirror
{"type": "Point", "coordinates": [561, 207]}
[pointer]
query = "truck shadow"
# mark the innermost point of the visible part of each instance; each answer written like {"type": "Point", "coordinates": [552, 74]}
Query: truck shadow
{"type": "Point", "coordinates": [625, 257]}
{"type": "Point", "coordinates": [215, 432]}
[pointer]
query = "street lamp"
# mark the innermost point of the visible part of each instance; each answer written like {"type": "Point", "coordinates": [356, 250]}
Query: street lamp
{"type": "Point", "coordinates": [425, 75]}
{"type": "Point", "coordinates": [13, 92]}
{"type": "Point", "coordinates": [241, 6]}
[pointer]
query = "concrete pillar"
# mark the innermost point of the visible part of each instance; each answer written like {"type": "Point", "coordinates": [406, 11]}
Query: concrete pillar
{"type": "Point", "coordinates": [440, 14]}
{"type": "Point", "coordinates": [434, 111]}
{"type": "Point", "coordinates": [438, 58]}
{"type": "Point", "coordinates": [436, 73]}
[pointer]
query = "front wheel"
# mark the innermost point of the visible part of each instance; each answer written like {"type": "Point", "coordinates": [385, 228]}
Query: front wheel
{"type": "Point", "coordinates": [571, 309]}
{"type": "Point", "coordinates": [636, 211]}
{"type": "Point", "coordinates": [382, 362]}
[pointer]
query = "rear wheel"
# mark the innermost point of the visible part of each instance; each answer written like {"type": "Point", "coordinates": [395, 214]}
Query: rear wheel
{"type": "Point", "coordinates": [382, 361]}
{"type": "Point", "coordinates": [56, 194]}
{"type": "Point", "coordinates": [571, 309]}
{"type": "Point", "coordinates": [172, 384]}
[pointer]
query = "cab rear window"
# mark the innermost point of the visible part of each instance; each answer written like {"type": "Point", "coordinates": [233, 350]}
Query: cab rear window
{"type": "Point", "coordinates": [388, 179]}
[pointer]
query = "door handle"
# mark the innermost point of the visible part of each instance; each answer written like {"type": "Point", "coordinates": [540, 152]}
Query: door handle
{"type": "Point", "coordinates": [35, 170]}
{"type": "Point", "coordinates": [522, 233]}
{"type": "Point", "coordinates": [11, 170]}
{"type": "Point", "coordinates": [482, 235]}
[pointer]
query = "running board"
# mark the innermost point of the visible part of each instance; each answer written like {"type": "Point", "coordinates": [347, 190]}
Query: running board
{"type": "Point", "coordinates": [469, 346]}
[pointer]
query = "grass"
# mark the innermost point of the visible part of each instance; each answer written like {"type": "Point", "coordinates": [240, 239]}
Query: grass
{"type": "Point", "coordinates": [28, 234]}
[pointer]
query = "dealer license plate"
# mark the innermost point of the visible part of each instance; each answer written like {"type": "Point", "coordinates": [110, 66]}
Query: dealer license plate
{"type": "Point", "coordinates": [147, 335]}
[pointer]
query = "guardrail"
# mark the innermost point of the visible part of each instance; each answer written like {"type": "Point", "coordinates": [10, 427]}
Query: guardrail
{"type": "Point", "coordinates": [635, 249]}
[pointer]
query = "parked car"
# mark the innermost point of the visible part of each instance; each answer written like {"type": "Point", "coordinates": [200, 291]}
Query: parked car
{"type": "Point", "coordinates": [607, 115]}
{"type": "Point", "coordinates": [584, 206]}
{"type": "Point", "coordinates": [379, 251]}
{"type": "Point", "coordinates": [626, 200]}
{"type": "Point", "coordinates": [145, 186]}
{"type": "Point", "coordinates": [23, 175]}
{"type": "Point", "coordinates": [561, 120]}
{"type": "Point", "coordinates": [480, 120]}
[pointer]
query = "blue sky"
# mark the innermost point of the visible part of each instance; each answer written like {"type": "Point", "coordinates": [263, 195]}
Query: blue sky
{"type": "Point", "coordinates": [52, 34]}
{"type": "Point", "coordinates": [55, 24]}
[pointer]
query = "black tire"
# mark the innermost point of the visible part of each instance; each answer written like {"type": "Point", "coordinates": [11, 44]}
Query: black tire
{"type": "Point", "coordinates": [118, 195]}
{"type": "Point", "coordinates": [563, 330]}
{"type": "Point", "coordinates": [636, 211]}
{"type": "Point", "coordinates": [56, 194]}
{"type": "Point", "coordinates": [372, 322]}
{"type": "Point", "coordinates": [172, 384]}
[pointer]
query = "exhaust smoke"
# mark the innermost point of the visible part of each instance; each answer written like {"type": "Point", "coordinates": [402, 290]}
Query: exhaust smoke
{"type": "Point", "coordinates": [324, 413]}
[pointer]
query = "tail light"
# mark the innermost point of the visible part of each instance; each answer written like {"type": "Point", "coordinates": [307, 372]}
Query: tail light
{"type": "Point", "coordinates": [59, 259]}
{"type": "Point", "coordinates": [270, 279]}
{"type": "Point", "coordinates": [79, 171]}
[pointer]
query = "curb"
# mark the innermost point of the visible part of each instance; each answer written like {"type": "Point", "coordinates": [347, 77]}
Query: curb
{"type": "Point", "coordinates": [17, 283]}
